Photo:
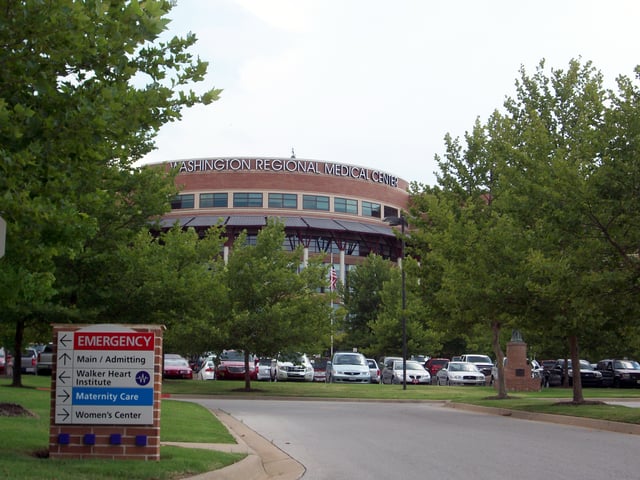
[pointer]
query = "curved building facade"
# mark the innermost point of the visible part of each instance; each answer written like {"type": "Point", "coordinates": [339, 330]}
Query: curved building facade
{"type": "Point", "coordinates": [329, 208]}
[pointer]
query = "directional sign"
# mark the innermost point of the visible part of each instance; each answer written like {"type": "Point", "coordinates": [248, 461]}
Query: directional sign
{"type": "Point", "coordinates": [105, 377]}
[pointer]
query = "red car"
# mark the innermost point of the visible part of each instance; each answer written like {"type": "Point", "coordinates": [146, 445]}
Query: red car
{"type": "Point", "coordinates": [433, 365]}
{"type": "Point", "coordinates": [231, 366]}
{"type": "Point", "coordinates": [176, 367]}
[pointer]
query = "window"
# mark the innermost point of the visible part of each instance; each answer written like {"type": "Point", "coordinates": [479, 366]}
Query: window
{"type": "Point", "coordinates": [315, 202]}
{"type": "Point", "coordinates": [283, 200]}
{"type": "Point", "coordinates": [208, 200]}
{"type": "Point", "coordinates": [182, 201]}
{"type": "Point", "coordinates": [345, 205]}
{"type": "Point", "coordinates": [370, 209]}
{"type": "Point", "coordinates": [247, 200]}
{"type": "Point", "coordinates": [390, 212]}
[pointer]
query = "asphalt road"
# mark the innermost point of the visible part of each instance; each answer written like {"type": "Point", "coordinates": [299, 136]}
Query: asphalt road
{"type": "Point", "coordinates": [338, 440]}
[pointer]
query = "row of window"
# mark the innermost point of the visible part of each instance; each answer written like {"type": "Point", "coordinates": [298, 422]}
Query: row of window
{"type": "Point", "coordinates": [283, 200]}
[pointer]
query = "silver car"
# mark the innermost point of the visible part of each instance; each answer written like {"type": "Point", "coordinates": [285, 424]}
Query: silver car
{"type": "Point", "coordinates": [348, 367]}
{"type": "Point", "coordinates": [460, 373]}
{"type": "Point", "coordinates": [374, 370]}
{"type": "Point", "coordinates": [267, 369]}
{"type": "Point", "coordinates": [416, 373]}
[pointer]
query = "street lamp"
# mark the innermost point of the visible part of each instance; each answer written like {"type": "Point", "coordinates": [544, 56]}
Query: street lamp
{"type": "Point", "coordinates": [395, 221]}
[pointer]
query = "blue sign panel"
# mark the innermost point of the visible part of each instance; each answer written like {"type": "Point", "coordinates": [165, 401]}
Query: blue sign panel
{"type": "Point", "coordinates": [112, 396]}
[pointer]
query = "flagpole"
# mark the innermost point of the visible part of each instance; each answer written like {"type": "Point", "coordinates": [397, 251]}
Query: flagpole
{"type": "Point", "coordinates": [331, 286]}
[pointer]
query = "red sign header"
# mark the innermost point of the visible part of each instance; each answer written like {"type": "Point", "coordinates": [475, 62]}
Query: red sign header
{"type": "Point", "coordinates": [114, 341]}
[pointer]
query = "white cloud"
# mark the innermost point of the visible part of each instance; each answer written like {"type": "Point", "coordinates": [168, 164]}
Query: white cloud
{"type": "Point", "coordinates": [372, 82]}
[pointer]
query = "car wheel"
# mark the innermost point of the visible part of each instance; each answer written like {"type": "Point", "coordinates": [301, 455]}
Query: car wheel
{"type": "Point", "coordinates": [616, 383]}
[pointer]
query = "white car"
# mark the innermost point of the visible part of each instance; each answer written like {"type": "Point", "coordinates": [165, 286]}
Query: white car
{"type": "Point", "coordinates": [207, 370]}
{"type": "Point", "coordinates": [416, 373]}
{"type": "Point", "coordinates": [294, 366]}
{"type": "Point", "coordinates": [460, 373]}
{"type": "Point", "coordinates": [267, 369]}
{"type": "Point", "coordinates": [348, 367]}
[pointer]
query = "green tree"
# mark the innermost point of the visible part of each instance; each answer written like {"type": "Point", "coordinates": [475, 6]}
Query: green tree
{"type": "Point", "coordinates": [386, 328]}
{"type": "Point", "coordinates": [84, 88]}
{"type": "Point", "coordinates": [274, 301]}
{"type": "Point", "coordinates": [534, 221]}
{"type": "Point", "coordinates": [361, 300]}
{"type": "Point", "coordinates": [174, 279]}
{"type": "Point", "coordinates": [570, 177]}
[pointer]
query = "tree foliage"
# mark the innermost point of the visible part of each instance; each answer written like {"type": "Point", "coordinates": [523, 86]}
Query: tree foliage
{"type": "Point", "coordinates": [361, 300]}
{"type": "Point", "coordinates": [533, 222]}
{"type": "Point", "coordinates": [274, 301]}
{"type": "Point", "coordinates": [84, 88]}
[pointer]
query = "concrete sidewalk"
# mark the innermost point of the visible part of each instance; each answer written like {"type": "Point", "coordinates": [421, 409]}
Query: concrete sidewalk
{"type": "Point", "coordinates": [264, 460]}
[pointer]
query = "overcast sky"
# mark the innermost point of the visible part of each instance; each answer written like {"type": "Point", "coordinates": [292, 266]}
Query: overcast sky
{"type": "Point", "coordinates": [376, 83]}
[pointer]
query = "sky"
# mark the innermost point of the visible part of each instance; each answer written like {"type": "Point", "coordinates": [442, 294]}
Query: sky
{"type": "Point", "coordinates": [376, 83]}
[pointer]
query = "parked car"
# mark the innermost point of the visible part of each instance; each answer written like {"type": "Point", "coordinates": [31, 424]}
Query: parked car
{"type": "Point", "coordinates": [319, 369]}
{"type": "Point", "coordinates": [433, 365]}
{"type": "Point", "coordinates": [267, 369]}
{"type": "Point", "coordinates": [45, 360]}
{"type": "Point", "coordinates": [483, 362]}
{"type": "Point", "coordinates": [294, 366]}
{"type": "Point", "coordinates": [619, 373]}
{"type": "Point", "coordinates": [231, 366]}
{"type": "Point", "coordinates": [460, 373]}
{"type": "Point", "coordinates": [206, 371]}
{"type": "Point", "coordinates": [348, 367]}
{"type": "Point", "coordinates": [590, 377]}
{"type": "Point", "coordinates": [416, 373]}
{"type": "Point", "coordinates": [176, 367]}
{"type": "Point", "coordinates": [29, 359]}
{"type": "Point", "coordinates": [374, 370]}
{"type": "Point", "coordinates": [3, 361]}
{"type": "Point", "coordinates": [536, 371]}
{"type": "Point", "coordinates": [387, 362]}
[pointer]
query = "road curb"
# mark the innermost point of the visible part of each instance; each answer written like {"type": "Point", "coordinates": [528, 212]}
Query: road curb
{"type": "Point", "coordinates": [618, 427]}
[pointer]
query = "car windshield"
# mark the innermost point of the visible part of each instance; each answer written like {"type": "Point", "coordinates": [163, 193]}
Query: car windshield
{"type": "Point", "coordinates": [411, 365]}
{"type": "Point", "coordinates": [462, 367]}
{"type": "Point", "coordinates": [291, 357]}
{"type": "Point", "coordinates": [438, 362]}
{"type": "Point", "coordinates": [627, 364]}
{"type": "Point", "coordinates": [319, 364]}
{"type": "Point", "coordinates": [478, 359]}
{"type": "Point", "coordinates": [584, 365]}
{"type": "Point", "coordinates": [265, 361]}
{"type": "Point", "coordinates": [176, 362]}
{"type": "Point", "coordinates": [372, 364]}
{"type": "Point", "coordinates": [349, 359]}
{"type": "Point", "coordinates": [233, 356]}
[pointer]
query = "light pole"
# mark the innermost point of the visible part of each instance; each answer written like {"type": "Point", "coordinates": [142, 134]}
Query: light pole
{"type": "Point", "coordinates": [395, 221]}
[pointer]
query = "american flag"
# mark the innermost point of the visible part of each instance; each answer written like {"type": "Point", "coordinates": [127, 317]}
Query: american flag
{"type": "Point", "coordinates": [333, 278]}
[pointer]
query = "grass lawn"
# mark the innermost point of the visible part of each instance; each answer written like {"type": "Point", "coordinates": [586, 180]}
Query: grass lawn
{"type": "Point", "coordinates": [24, 440]}
{"type": "Point", "coordinates": [548, 400]}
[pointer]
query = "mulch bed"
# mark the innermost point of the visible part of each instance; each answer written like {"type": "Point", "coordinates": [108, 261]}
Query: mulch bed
{"type": "Point", "coordinates": [14, 410]}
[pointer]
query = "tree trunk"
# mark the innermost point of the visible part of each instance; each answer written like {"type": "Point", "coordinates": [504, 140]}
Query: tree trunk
{"type": "Point", "coordinates": [247, 373]}
{"type": "Point", "coordinates": [17, 354]}
{"type": "Point", "coordinates": [575, 364]}
{"type": "Point", "coordinates": [497, 349]}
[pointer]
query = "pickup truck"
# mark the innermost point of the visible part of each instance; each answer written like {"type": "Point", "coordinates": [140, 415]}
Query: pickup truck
{"type": "Point", "coordinates": [483, 362]}
{"type": "Point", "coordinates": [44, 366]}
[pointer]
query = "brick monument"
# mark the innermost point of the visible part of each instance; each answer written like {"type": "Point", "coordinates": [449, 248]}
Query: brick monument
{"type": "Point", "coordinates": [517, 369]}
